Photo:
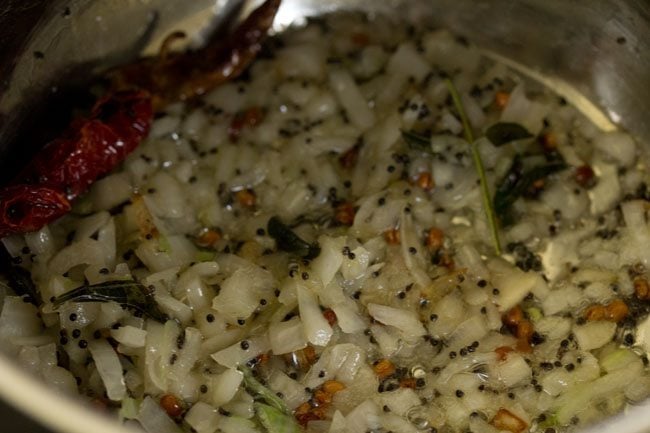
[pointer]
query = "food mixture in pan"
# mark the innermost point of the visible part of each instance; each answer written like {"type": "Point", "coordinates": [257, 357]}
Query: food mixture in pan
{"type": "Point", "coordinates": [373, 229]}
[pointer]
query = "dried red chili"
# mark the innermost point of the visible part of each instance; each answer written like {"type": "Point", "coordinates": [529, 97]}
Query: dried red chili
{"type": "Point", "coordinates": [67, 166]}
{"type": "Point", "coordinates": [93, 146]}
{"type": "Point", "coordinates": [25, 208]}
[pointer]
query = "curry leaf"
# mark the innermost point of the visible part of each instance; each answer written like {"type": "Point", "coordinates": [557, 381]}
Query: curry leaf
{"type": "Point", "coordinates": [271, 411]}
{"type": "Point", "coordinates": [478, 164]}
{"type": "Point", "coordinates": [517, 182]}
{"type": "Point", "coordinates": [275, 421]}
{"type": "Point", "coordinates": [290, 242]}
{"type": "Point", "coordinates": [262, 393]}
{"type": "Point", "coordinates": [416, 141]}
{"type": "Point", "coordinates": [505, 132]}
{"type": "Point", "coordinates": [20, 281]}
{"type": "Point", "coordinates": [128, 293]}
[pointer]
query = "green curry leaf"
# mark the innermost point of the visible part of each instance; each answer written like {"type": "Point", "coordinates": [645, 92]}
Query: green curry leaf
{"type": "Point", "coordinates": [261, 392]}
{"type": "Point", "coordinates": [128, 293]}
{"type": "Point", "coordinates": [505, 132]}
{"type": "Point", "coordinates": [417, 141]}
{"type": "Point", "coordinates": [290, 242]}
{"type": "Point", "coordinates": [275, 421]}
{"type": "Point", "coordinates": [517, 181]}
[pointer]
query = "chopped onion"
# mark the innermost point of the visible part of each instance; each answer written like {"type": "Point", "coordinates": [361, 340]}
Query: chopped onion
{"type": "Point", "coordinates": [370, 219]}
{"type": "Point", "coordinates": [153, 418]}
{"type": "Point", "coordinates": [293, 392]}
{"type": "Point", "coordinates": [450, 311]}
{"type": "Point", "coordinates": [242, 405]}
{"type": "Point", "coordinates": [514, 284]}
{"type": "Point", "coordinates": [85, 252]}
{"type": "Point", "coordinates": [188, 355]}
{"type": "Point", "coordinates": [241, 292]}
{"type": "Point", "coordinates": [286, 337]}
{"type": "Point", "coordinates": [553, 327]}
{"type": "Point", "coordinates": [391, 90]}
{"type": "Point", "coordinates": [59, 379]}
{"type": "Point", "coordinates": [351, 99]}
{"type": "Point", "coordinates": [225, 386]}
{"type": "Point", "coordinates": [180, 252]}
{"type": "Point", "coordinates": [236, 354]}
{"type": "Point", "coordinates": [303, 60]}
{"type": "Point", "coordinates": [561, 299]}
{"type": "Point", "coordinates": [328, 262]}
{"type": "Point", "coordinates": [317, 330]}
{"type": "Point", "coordinates": [330, 362]}
{"type": "Point", "coordinates": [203, 418]}
{"type": "Point", "coordinates": [173, 307]}
{"type": "Point", "coordinates": [607, 191]}
{"type": "Point", "coordinates": [18, 319]}
{"type": "Point", "coordinates": [29, 359]}
{"type": "Point", "coordinates": [403, 320]}
{"type": "Point", "coordinates": [593, 335]}
{"type": "Point", "coordinates": [129, 409]}
{"type": "Point", "coordinates": [470, 330]}
{"type": "Point", "coordinates": [351, 269]}
{"type": "Point", "coordinates": [620, 358]}
{"type": "Point", "coordinates": [638, 232]}
{"type": "Point", "coordinates": [164, 126]}
{"type": "Point", "coordinates": [411, 251]}
{"type": "Point", "coordinates": [642, 335]}
{"type": "Point", "coordinates": [155, 380]}
{"type": "Point", "coordinates": [221, 340]}
{"type": "Point", "coordinates": [521, 110]}
{"type": "Point", "coordinates": [111, 191]}
{"type": "Point", "coordinates": [582, 396]}
{"type": "Point", "coordinates": [40, 241]}
{"type": "Point", "coordinates": [348, 317]}
{"type": "Point", "coordinates": [338, 423]}
{"type": "Point", "coordinates": [389, 342]}
{"type": "Point", "coordinates": [442, 48]}
{"type": "Point", "coordinates": [513, 370]}
{"type": "Point", "coordinates": [407, 62]}
{"type": "Point", "coordinates": [199, 294]}
{"type": "Point", "coordinates": [399, 401]}
{"type": "Point", "coordinates": [14, 244]}
{"type": "Point", "coordinates": [129, 336]}
{"type": "Point", "coordinates": [617, 145]}
{"type": "Point", "coordinates": [465, 363]}
{"type": "Point", "coordinates": [364, 417]}
{"type": "Point", "coordinates": [109, 368]}
{"type": "Point", "coordinates": [395, 423]}
{"type": "Point", "coordinates": [354, 359]}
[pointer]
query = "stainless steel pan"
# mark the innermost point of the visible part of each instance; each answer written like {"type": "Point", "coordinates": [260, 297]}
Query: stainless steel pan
{"type": "Point", "coordinates": [594, 52]}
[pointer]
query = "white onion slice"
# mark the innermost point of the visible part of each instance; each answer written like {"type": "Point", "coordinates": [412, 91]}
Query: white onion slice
{"type": "Point", "coordinates": [129, 336]}
{"type": "Point", "coordinates": [109, 368]}
{"type": "Point", "coordinates": [401, 319]}
{"type": "Point", "coordinates": [153, 418]}
{"type": "Point", "coordinates": [317, 330]}
{"type": "Point", "coordinates": [226, 385]}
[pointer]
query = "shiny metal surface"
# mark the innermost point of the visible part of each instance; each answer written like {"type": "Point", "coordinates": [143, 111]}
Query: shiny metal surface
{"type": "Point", "coordinates": [599, 50]}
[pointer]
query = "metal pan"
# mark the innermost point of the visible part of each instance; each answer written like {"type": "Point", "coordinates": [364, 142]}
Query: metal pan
{"type": "Point", "coordinates": [594, 52]}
